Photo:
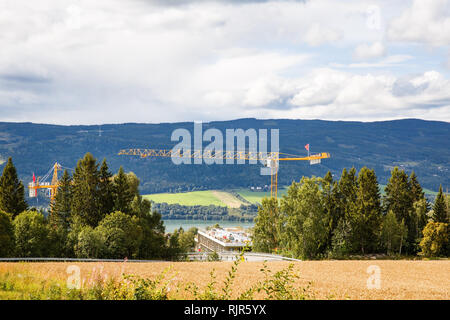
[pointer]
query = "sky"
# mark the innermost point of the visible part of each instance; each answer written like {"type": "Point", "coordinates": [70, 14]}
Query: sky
{"type": "Point", "coordinates": [116, 61]}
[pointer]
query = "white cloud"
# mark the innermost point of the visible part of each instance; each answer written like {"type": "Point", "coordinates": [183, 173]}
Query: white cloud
{"type": "Point", "coordinates": [332, 94]}
{"type": "Point", "coordinates": [426, 21]}
{"type": "Point", "coordinates": [367, 52]}
{"type": "Point", "coordinates": [115, 61]}
{"type": "Point", "coordinates": [317, 35]}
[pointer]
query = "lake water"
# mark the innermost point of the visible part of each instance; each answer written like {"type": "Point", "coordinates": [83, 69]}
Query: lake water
{"type": "Point", "coordinates": [173, 224]}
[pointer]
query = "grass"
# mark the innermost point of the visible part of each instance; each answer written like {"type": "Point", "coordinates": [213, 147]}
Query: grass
{"type": "Point", "coordinates": [341, 279]}
{"type": "Point", "coordinates": [203, 198]}
{"type": "Point", "coordinates": [224, 198]}
{"type": "Point", "coordinates": [256, 196]}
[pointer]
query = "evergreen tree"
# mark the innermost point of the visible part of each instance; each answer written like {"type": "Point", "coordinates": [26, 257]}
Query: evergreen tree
{"type": "Point", "coordinates": [399, 199]}
{"type": "Point", "coordinates": [85, 191]}
{"type": "Point", "coordinates": [123, 195]}
{"type": "Point", "coordinates": [106, 190]}
{"type": "Point", "coordinates": [61, 208]}
{"type": "Point", "coordinates": [12, 194]}
{"type": "Point", "coordinates": [330, 197]}
{"type": "Point", "coordinates": [439, 208]}
{"type": "Point", "coordinates": [417, 192]}
{"type": "Point", "coordinates": [366, 214]}
{"type": "Point", "coordinates": [6, 235]}
{"type": "Point", "coordinates": [348, 187]}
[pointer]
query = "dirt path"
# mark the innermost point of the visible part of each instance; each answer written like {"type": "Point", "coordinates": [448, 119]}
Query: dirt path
{"type": "Point", "coordinates": [227, 198]}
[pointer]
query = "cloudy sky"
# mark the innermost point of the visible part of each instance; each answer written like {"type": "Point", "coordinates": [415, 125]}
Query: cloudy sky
{"type": "Point", "coordinates": [114, 61]}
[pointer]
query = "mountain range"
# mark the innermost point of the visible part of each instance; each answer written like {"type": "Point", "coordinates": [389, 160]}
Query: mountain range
{"type": "Point", "coordinates": [411, 144]}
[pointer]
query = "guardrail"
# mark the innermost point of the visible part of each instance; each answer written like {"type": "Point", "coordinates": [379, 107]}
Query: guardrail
{"type": "Point", "coordinates": [72, 260]}
{"type": "Point", "coordinates": [200, 256]}
{"type": "Point", "coordinates": [226, 256]}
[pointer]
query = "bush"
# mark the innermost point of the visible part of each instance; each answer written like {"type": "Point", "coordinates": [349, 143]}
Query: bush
{"type": "Point", "coordinates": [435, 240]}
{"type": "Point", "coordinates": [30, 232]}
{"type": "Point", "coordinates": [90, 244]}
{"type": "Point", "coordinates": [121, 235]}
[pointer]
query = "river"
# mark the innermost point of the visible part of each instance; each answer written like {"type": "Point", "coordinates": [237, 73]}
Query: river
{"type": "Point", "coordinates": [172, 224]}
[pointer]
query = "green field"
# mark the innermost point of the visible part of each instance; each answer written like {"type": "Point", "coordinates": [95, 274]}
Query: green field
{"type": "Point", "coordinates": [224, 198]}
{"type": "Point", "coordinates": [203, 198]}
{"type": "Point", "coordinates": [256, 196]}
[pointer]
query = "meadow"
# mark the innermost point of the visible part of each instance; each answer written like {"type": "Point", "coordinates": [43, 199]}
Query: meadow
{"type": "Point", "coordinates": [203, 198]}
{"type": "Point", "coordinates": [399, 279]}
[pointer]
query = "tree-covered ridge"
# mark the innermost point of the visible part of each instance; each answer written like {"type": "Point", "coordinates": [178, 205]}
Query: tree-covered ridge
{"type": "Point", "coordinates": [321, 217]}
{"type": "Point", "coordinates": [412, 145]}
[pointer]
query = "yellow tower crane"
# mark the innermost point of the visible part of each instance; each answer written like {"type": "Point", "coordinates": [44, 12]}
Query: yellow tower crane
{"type": "Point", "coordinates": [43, 183]}
{"type": "Point", "coordinates": [270, 159]}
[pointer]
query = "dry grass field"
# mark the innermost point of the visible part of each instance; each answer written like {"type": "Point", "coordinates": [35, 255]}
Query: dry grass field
{"type": "Point", "coordinates": [328, 279]}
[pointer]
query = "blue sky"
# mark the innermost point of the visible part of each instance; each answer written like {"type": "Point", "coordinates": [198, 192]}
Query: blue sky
{"type": "Point", "coordinates": [111, 61]}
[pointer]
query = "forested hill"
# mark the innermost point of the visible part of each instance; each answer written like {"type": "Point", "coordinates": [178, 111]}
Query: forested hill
{"type": "Point", "coordinates": [422, 146]}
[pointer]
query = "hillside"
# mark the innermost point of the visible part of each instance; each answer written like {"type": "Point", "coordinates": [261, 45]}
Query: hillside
{"type": "Point", "coordinates": [422, 146]}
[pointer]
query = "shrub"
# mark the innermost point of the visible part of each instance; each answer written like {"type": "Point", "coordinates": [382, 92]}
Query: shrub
{"type": "Point", "coordinates": [30, 233]}
{"type": "Point", "coordinates": [435, 240]}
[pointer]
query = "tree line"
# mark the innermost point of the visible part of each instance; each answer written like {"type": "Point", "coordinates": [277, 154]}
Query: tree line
{"type": "Point", "coordinates": [95, 214]}
{"type": "Point", "coordinates": [323, 217]}
{"type": "Point", "coordinates": [200, 212]}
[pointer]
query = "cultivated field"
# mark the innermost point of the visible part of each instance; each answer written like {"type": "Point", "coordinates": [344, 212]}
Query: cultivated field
{"type": "Point", "coordinates": [402, 279]}
{"type": "Point", "coordinates": [256, 196]}
{"type": "Point", "coordinates": [203, 198]}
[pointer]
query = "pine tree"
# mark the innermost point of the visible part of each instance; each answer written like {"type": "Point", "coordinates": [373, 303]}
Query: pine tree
{"type": "Point", "coordinates": [12, 194]}
{"type": "Point", "coordinates": [123, 195]}
{"type": "Point", "coordinates": [85, 191]}
{"type": "Point", "coordinates": [439, 208]}
{"type": "Point", "coordinates": [366, 216]}
{"type": "Point", "coordinates": [106, 190]}
{"type": "Point", "coordinates": [61, 208]}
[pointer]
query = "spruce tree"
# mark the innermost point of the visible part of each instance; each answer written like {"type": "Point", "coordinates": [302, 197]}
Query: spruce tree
{"type": "Point", "coordinates": [417, 192]}
{"type": "Point", "coordinates": [348, 187]}
{"type": "Point", "coordinates": [400, 199]}
{"type": "Point", "coordinates": [61, 208]}
{"type": "Point", "coordinates": [12, 193]}
{"type": "Point", "coordinates": [366, 216]}
{"type": "Point", "coordinates": [85, 191]}
{"type": "Point", "coordinates": [123, 195]}
{"type": "Point", "coordinates": [330, 196]}
{"type": "Point", "coordinates": [398, 196]}
{"type": "Point", "coordinates": [439, 208]}
{"type": "Point", "coordinates": [106, 190]}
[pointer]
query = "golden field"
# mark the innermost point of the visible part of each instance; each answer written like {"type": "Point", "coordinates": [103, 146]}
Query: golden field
{"type": "Point", "coordinates": [331, 279]}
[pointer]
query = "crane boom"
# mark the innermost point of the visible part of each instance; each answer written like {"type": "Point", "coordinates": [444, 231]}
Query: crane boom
{"type": "Point", "coordinates": [271, 159]}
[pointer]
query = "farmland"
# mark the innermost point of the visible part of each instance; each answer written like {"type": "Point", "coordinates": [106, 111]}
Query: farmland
{"type": "Point", "coordinates": [211, 197]}
{"type": "Point", "coordinates": [404, 279]}
{"type": "Point", "coordinates": [203, 198]}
